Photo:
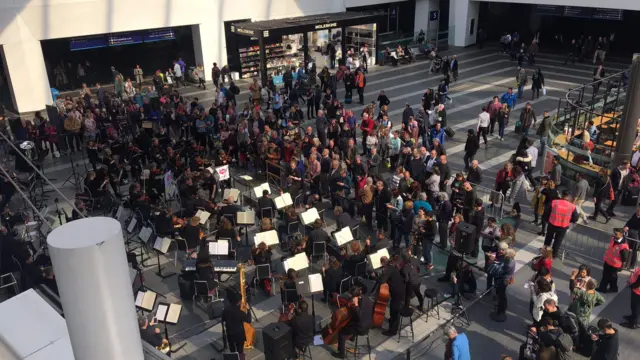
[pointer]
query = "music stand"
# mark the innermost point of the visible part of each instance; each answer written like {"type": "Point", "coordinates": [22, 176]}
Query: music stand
{"type": "Point", "coordinates": [161, 245]}
{"type": "Point", "coordinates": [169, 314]}
{"type": "Point", "coordinates": [312, 285]}
{"type": "Point", "coordinates": [219, 248]}
{"type": "Point", "coordinates": [246, 218]}
{"type": "Point", "coordinates": [145, 300]}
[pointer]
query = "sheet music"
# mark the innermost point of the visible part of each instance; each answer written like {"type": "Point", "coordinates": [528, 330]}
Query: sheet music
{"type": "Point", "coordinates": [315, 283]}
{"type": "Point", "coordinates": [203, 215]}
{"type": "Point", "coordinates": [343, 236]}
{"type": "Point", "coordinates": [233, 193]}
{"type": "Point", "coordinates": [270, 238]}
{"type": "Point", "coordinates": [132, 224]}
{"type": "Point", "coordinates": [145, 233]}
{"type": "Point", "coordinates": [309, 216]}
{"type": "Point", "coordinates": [139, 298]}
{"type": "Point", "coordinates": [220, 247]}
{"type": "Point", "coordinates": [246, 218]}
{"type": "Point", "coordinates": [119, 212]}
{"type": "Point", "coordinates": [283, 201]}
{"type": "Point", "coordinates": [297, 262]}
{"type": "Point", "coordinates": [211, 170]}
{"type": "Point", "coordinates": [245, 177]}
{"type": "Point", "coordinates": [374, 259]}
{"type": "Point", "coordinates": [161, 313]}
{"type": "Point", "coordinates": [174, 313]}
{"type": "Point", "coordinates": [162, 244]}
{"type": "Point", "coordinates": [258, 189]}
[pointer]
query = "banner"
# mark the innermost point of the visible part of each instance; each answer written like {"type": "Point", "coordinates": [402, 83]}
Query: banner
{"type": "Point", "coordinates": [222, 173]}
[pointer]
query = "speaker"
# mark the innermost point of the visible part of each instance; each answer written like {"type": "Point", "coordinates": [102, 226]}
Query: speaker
{"type": "Point", "coordinates": [465, 238]}
{"type": "Point", "coordinates": [278, 341]}
{"type": "Point", "coordinates": [215, 309]}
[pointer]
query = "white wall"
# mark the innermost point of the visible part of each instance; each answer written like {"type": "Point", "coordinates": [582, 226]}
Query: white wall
{"type": "Point", "coordinates": [356, 3]}
{"type": "Point", "coordinates": [610, 4]}
{"type": "Point", "coordinates": [423, 8]}
{"type": "Point", "coordinates": [460, 14]}
{"type": "Point", "coordinates": [23, 23]}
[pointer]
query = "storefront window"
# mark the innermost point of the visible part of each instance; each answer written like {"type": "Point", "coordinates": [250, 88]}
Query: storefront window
{"type": "Point", "coordinates": [360, 38]}
{"type": "Point", "coordinates": [279, 56]}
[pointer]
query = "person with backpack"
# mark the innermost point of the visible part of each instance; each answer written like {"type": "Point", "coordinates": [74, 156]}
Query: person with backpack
{"type": "Point", "coordinates": [553, 341]}
{"type": "Point", "coordinates": [584, 300]}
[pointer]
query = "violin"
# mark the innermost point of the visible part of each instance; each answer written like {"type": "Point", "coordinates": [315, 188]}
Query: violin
{"type": "Point", "coordinates": [287, 314]}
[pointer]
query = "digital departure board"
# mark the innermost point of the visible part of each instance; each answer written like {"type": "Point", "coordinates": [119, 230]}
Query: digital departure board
{"type": "Point", "coordinates": [580, 12]}
{"type": "Point", "coordinates": [118, 39]}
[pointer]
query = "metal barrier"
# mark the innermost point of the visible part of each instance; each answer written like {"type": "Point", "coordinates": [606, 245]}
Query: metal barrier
{"type": "Point", "coordinates": [274, 174]}
{"type": "Point", "coordinates": [493, 201]}
{"type": "Point", "coordinates": [591, 243]}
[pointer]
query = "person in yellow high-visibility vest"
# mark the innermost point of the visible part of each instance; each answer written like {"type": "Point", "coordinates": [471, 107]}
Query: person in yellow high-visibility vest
{"type": "Point", "coordinates": [634, 285]}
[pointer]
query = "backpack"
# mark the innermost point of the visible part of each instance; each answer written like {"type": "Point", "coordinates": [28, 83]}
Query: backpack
{"type": "Point", "coordinates": [570, 323]}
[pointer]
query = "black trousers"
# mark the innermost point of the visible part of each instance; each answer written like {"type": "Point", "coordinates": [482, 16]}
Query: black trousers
{"type": "Point", "coordinates": [492, 124]}
{"type": "Point", "coordinates": [468, 158]}
{"type": "Point", "coordinates": [555, 235]}
{"type": "Point", "coordinates": [394, 310]}
{"type": "Point", "coordinates": [346, 332]}
{"type": "Point", "coordinates": [311, 110]}
{"type": "Point", "coordinates": [609, 280]}
{"type": "Point", "coordinates": [361, 95]}
{"type": "Point", "coordinates": [635, 308]}
{"type": "Point", "coordinates": [411, 290]}
{"type": "Point", "coordinates": [501, 294]}
{"type": "Point", "coordinates": [235, 345]}
{"type": "Point", "coordinates": [598, 208]}
{"type": "Point", "coordinates": [443, 232]}
{"type": "Point", "coordinates": [367, 212]}
{"type": "Point", "coordinates": [382, 221]}
{"type": "Point", "coordinates": [482, 131]}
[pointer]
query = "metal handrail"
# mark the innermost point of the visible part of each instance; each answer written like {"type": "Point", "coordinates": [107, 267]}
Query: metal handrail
{"type": "Point", "coordinates": [618, 77]}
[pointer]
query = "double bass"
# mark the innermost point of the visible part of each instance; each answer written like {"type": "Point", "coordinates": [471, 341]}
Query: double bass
{"type": "Point", "coordinates": [380, 307]}
{"type": "Point", "coordinates": [249, 331]}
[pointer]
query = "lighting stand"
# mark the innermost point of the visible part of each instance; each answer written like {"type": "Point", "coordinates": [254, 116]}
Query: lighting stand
{"type": "Point", "coordinates": [74, 177]}
{"type": "Point", "coordinates": [459, 310]}
{"type": "Point", "coordinates": [313, 313]}
{"type": "Point", "coordinates": [159, 273]}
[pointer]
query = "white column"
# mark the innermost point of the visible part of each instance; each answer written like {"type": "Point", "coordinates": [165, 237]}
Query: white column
{"type": "Point", "coordinates": [461, 12]}
{"type": "Point", "coordinates": [208, 45]}
{"type": "Point", "coordinates": [90, 264]}
{"type": "Point", "coordinates": [423, 7]}
{"type": "Point", "coordinates": [27, 74]}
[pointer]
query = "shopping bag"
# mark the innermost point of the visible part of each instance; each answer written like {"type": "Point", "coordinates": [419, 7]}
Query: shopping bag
{"type": "Point", "coordinates": [544, 91]}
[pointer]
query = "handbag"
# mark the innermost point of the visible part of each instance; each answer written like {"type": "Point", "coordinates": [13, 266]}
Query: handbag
{"type": "Point", "coordinates": [544, 91]}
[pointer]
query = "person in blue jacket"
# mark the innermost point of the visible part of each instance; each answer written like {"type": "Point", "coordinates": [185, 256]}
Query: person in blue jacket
{"type": "Point", "coordinates": [509, 98]}
{"type": "Point", "coordinates": [458, 348]}
{"type": "Point", "coordinates": [502, 273]}
{"type": "Point", "coordinates": [436, 132]}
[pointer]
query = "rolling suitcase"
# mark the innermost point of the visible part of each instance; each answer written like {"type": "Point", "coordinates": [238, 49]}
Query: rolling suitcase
{"type": "Point", "coordinates": [449, 132]}
{"type": "Point", "coordinates": [348, 96]}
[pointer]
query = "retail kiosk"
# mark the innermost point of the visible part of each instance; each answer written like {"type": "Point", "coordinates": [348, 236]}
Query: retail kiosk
{"type": "Point", "coordinates": [271, 47]}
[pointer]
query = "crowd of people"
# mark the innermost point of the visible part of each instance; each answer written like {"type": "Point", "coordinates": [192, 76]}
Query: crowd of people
{"type": "Point", "coordinates": [134, 133]}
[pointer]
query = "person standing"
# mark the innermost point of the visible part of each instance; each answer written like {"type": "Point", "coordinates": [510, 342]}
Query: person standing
{"type": "Point", "coordinates": [397, 289]}
{"type": "Point", "coordinates": [493, 109]}
{"type": "Point", "coordinates": [598, 49]}
{"type": "Point", "coordinates": [457, 346]}
{"type": "Point", "coordinates": [177, 73]}
{"type": "Point", "coordinates": [598, 75]}
{"type": "Point", "coordinates": [537, 84]}
{"type": "Point", "coordinates": [563, 213]}
{"type": "Point", "coordinates": [579, 194]}
{"type": "Point", "coordinates": [215, 75]}
{"type": "Point", "coordinates": [138, 74]}
{"type": "Point", "coordinates": [572, 50]}
{"type": "Point", "coordinates": [360, 83]}
{"type": "Point", "coordinates": [607, 341]}
{"type": "Point", "coordinates": [614, 258]}
{"type": "Point", "coordinates": [453, 65]}
{"type": "Point", "coordinates": [521, 80]}
{"type": "Point", "coordinates": [502, 273]}
{"type": "Point", "coordinates": [617, 183]}
{"type": "Point", "coordinates": [634, 285]}
{"type": "Point", "coordinates": [234, 318]}
{"type": "Point", "coordinates": [200, 76]}
{"type": "Point", "coordinates": [321, 126]}
{"type": "Point", "coordinates": [602, 191]}
{"type": "Point", "coordinates": [543, 132]}
{"type": "Point", "coordinates": [470, 148]}
{"type": "Point", "coordinates": [503, 119]}
{"type": "Point", "coordinates": [484, 120]}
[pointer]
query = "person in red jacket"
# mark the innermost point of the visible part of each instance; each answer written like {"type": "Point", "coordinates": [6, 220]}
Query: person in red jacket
{"type": "Point", "coordinates": [563, 213]}
{"type": "Point", "coordinates": [367, 127]}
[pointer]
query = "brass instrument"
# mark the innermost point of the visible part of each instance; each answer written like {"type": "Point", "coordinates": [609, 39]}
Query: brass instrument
{"type": "Point", "coordinates": [164, 348]}
{"type": "Point", "coordinates": [249, 331]}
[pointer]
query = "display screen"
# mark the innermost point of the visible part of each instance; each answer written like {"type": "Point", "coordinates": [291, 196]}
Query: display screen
{"type": "Point", "coordinates": [159, 35]}
{"type": "Point", "coordinates": [580, 12]}
{"type": "Point", "coordinates": [88, 42]}
{"type": "Point", "coordinates": [117, 39]}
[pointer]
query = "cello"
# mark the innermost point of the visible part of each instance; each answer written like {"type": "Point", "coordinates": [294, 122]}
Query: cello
{"type": "Point", "coordinates": [380, 308]}
{"type": "Point", "coordinates": [339, 319]}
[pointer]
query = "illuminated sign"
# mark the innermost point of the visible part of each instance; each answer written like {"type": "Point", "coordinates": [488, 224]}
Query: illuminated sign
{"type": "Point", "coordinates": [326, 26]}
{"type": "Point", "coordinates": [244, 31]}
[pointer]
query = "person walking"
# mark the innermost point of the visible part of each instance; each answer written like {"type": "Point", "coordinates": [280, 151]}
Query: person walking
{"type": "Point", "coordinates": [537, 84]}
{"type": "Point", "coordinates": [177, 73]}
{"type": "Point", "coordinates": [509, 98]}
{"type": "Point", "coordinates": [563, 213]}
{"type": "Point", "coordinates": [543, 132]}
{"type": "Point", "coordinates": [527, 118]}
{"type": "Point", "coordinates": [493, 109]}
{"type": "Point", "coordinates": [215, 75]}
{"type": "Point", "coordinates": [138, 74]}
{"type": "Point", "coordinates": [502, 119]}
{"type": "Point", "coordinates": [453, 65]}
{"type": "Point", "coordinates": [579, 194]}
{"type": "Point", "coordinates": [603, 191]}
{"type": "Point", "coordinates": [618, 176]}
{"type": "Point", "coordinates": [484, 119]}
{"type": "Point", "coordinates": [457, 345]}
{"type": "Point", "coordinates": [634, 284]}
{"type": "Point", "coordinates": [598, 75]}
{"type": "Point", "coordinates": [614, 258]}
{"type": "Point", "coordinates": [572, 50]}
{"type": "Point", "coordinates": [521, 80]}
{"type": "Point", "coordinates": [470, 148]}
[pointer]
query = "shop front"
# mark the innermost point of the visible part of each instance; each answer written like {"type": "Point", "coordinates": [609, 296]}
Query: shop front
{"type": "Point", "coordinates": [267, 49]}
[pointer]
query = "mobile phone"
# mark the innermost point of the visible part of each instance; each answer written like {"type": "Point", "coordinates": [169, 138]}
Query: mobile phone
{"type": "Point", "coordinates": [154, 320]}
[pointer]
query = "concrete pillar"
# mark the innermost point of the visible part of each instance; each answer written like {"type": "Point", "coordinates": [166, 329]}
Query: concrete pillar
{"type": "Point", "coordinates": [631, 114]}
{"type": "Point", "coordinates": [90, 264]}
{"type": "Point", "coordinates": [27, 74]}
{"type": "Point", "coordinates": [207, 47]}
{"type": "Point", "coordinates": [461, 15]}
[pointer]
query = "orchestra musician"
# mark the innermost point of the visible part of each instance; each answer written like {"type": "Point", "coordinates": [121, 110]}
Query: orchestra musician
{"type": "Point", "coordinates": [290, 217]}
{"type": "Point", "coordinates": [397, 289]}
{"type": "Point", "coordinates": [151, 334]}
{"type": "Point", "coordinates": [355, 257]}
{"type": "Point", "coordinates": [288, 290]}
{"type": "Point", "coordinates": [226, 231]}
{"type": "Point", "coordinates": [317, 235]}
{"type": "Point", "coordinates": [191, 233]}
{"type": "Point", "coordinates": [331, 277]}
{"type": "Point", "coordinates": [204, 269]}
{"type": "Point", "coordinates": [233, 319]}
{"type": "Point", "coordinates": [265, 202]}
{"type": "Point", "coordinates": [302, 326]}
{"type": "Point", "coordinates": [229, 209]}
{"type": "Point", "coordinates": [299, 246]}
{"type": "Point", "coordinates": [265, 225]}
{"type": "Point", "coordinates": [361, 310]}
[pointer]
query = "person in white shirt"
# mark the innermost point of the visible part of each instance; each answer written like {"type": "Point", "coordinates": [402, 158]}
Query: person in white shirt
{"type": "Point", "coordinates": [483, 126]}
{"type": "Point", "coordinates": [177, 71]}
{"type": "Point", "coordinates": [533, 152]}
